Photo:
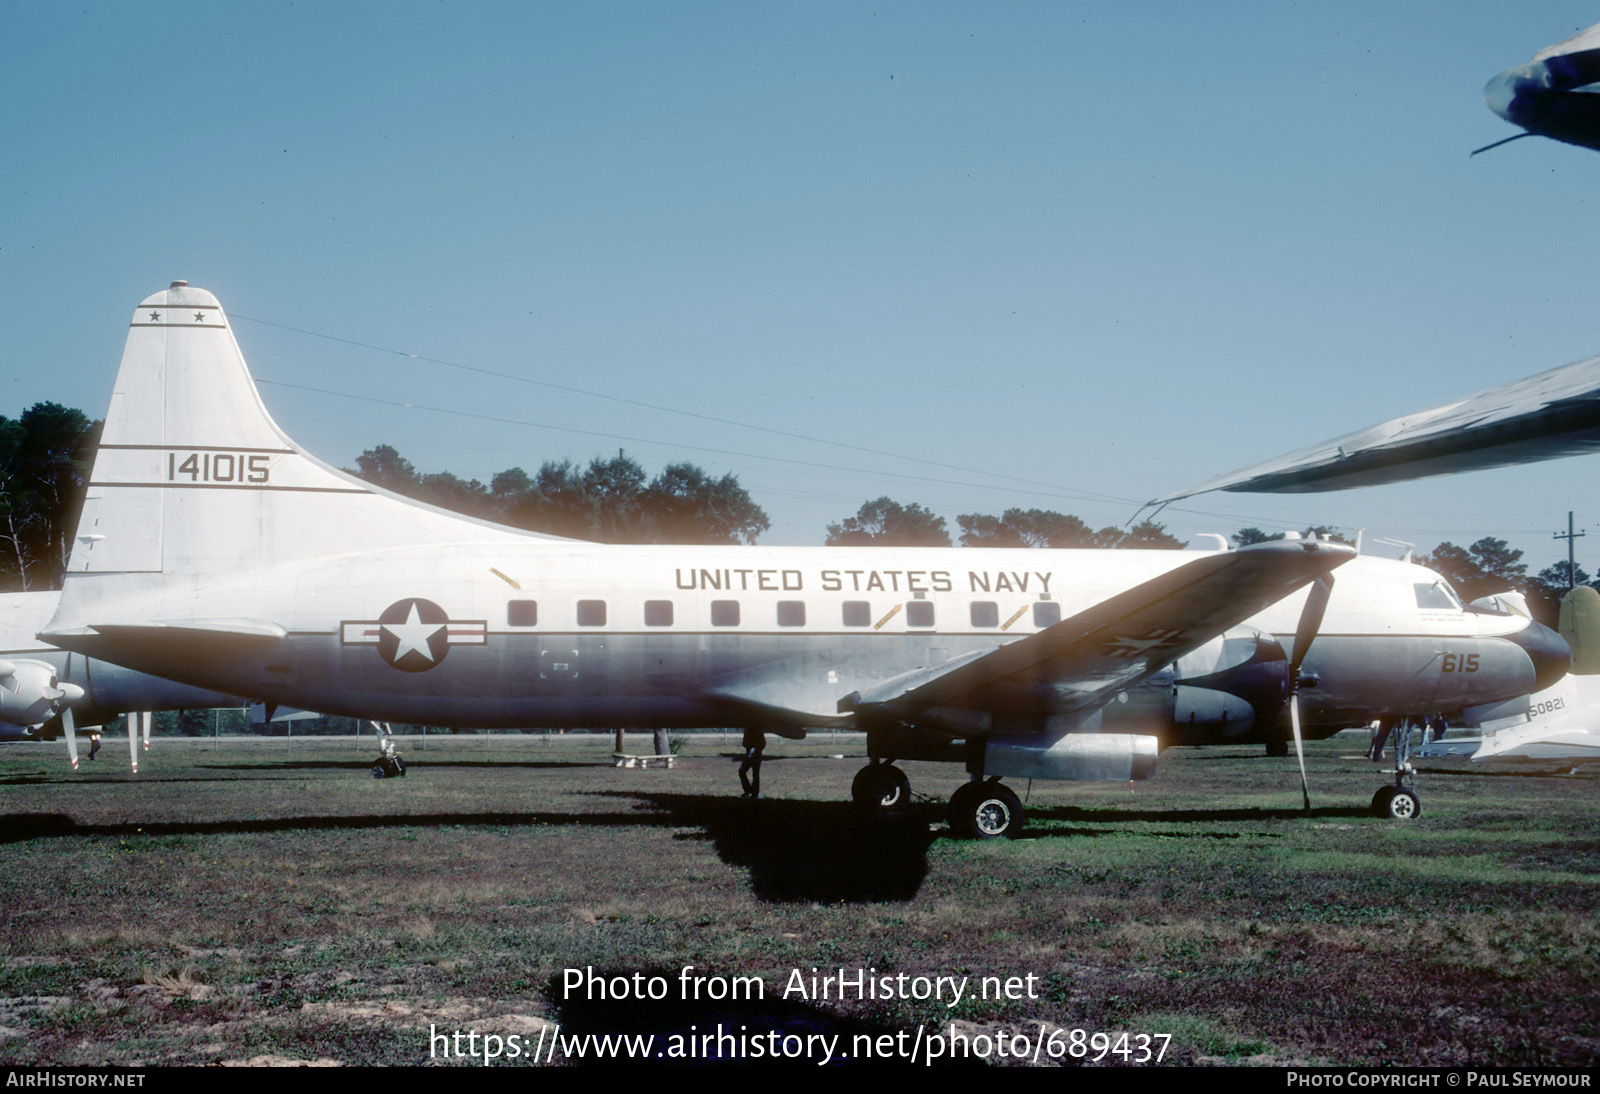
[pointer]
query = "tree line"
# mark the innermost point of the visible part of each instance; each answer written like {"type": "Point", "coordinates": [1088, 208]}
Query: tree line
{"type": "Point", "coordinates": [608, 501]}
{"type": "Point", "coordinates": [44, 469]}
{"type": "Point", "coordinates": [885, 522]}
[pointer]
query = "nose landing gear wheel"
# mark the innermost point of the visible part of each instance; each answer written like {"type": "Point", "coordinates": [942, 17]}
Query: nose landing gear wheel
{"type": "Point", "coordinates": [1396, 803]}
{"type": "Point", "coordinates": [986, 810]}
{"type": "Point", "coordinates": [389, 767]}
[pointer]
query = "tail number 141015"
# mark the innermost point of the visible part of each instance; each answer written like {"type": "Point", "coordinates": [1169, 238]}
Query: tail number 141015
{"type": "Point", "coordinates": [219, 467]}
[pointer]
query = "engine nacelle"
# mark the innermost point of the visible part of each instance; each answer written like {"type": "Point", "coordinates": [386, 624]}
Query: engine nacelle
{"type": "Point", "coordinates": [1201, 709]}
{"type": "Point", "coordinates": [1109, 757]}
{"type": "Point", "coordinates": [1229, 650]}
{"type": "Point", "coordinates": [29, 695]}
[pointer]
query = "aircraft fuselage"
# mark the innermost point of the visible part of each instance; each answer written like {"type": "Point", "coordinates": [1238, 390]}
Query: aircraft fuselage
{"type": "Point", "coordinates": [582, 635]}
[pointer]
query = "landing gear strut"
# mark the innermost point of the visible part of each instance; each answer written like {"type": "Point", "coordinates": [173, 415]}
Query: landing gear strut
{"type": "Point", "coordinates": [1400, 801]}
{"type": "Point", "coordinates": [389, 765]}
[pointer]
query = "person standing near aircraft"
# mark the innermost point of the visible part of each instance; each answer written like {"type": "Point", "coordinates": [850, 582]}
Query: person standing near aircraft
{"type": "Point", "coordinates": [755, 742]}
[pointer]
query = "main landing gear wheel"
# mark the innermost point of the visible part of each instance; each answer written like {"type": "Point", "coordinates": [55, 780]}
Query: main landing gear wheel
{"type": "Point", "coordinates": [389, 767]}
{"type": "Point", "coordinates": [880, 786]}
{"type": "Point", "coordinates": [1396, 803]}
{"type": "Point", "coordinates": [986, 810]}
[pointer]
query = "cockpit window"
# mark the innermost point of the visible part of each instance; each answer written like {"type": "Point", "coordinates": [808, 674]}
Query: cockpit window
{"type": "Point", "coordinates": [1436, 597]}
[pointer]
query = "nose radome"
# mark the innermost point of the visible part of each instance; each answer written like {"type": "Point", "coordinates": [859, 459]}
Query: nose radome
{"type": "Point", "coordinates": [1501, 92]}
{"type": "Point", "coordinates": [1549, 652]}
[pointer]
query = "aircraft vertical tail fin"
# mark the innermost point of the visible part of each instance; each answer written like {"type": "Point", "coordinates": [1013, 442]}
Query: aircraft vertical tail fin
{"type": "Point", "coordinates": [185, 419]}
{"type": "Point", "coordinates": [193, 476]}
{"type": "Point", "coordinates": [1580, 626]}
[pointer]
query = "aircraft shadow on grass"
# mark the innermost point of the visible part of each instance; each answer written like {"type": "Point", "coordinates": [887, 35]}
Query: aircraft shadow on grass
{"type": "Point", "coordinates": [16, 827]}
{"type": "Point", "coordinates": [412, 762]}
{"type": "Point", "coordinates": [795, 850]}
{"type": "Point", "coordinates": [1537, 769]}
{"type": "Point", "coordinates": [1067, 814]}
{"type": "Point", "coordinates": [810, 851]}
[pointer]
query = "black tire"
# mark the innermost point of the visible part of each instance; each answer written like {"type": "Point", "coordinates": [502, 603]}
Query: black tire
{"type": "Point", "coordinates": [1403, 805]}
{"type": "Point", "coordinates": [1380, 800]}
{"type": "Point", "coordinates": [880, 787]}
{"type": "Point", "coordinates": [378, 772]}
{"type": "Point", "coordinates": [1277, 747]}
{"type": "Point", "coordinates": [989, 811]}
{"type": "Point", "coordinates": [959, 813]}
{"type": "Point", "coordinates": [861, 785]}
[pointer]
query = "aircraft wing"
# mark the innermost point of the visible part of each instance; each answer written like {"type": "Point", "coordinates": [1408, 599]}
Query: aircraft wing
{"type": "Point", "coordinates": [1553, 95]}
{"type": "Point", "coordinates": [1542, 417]}
{"type": "Point", "coordinates": [1080, 663]}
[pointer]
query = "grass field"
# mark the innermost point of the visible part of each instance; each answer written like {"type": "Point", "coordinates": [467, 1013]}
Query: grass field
{"type": "Point", "coordinates": [263, 901]}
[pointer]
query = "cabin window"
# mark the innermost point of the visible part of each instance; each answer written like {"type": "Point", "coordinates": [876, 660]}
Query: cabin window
{"type": "Point", "coordinates": [658, 613]}
{"type": "Point", "coordinates": [1436, 597]}
{"type": "Point", "coordinates": [791, 613]}
{"type": "Point", "coordinates": [985, 613]}
{"type": "Point", "coordinates": [591, 613]}
{"type": "Point", "coordinates": [919, 613]}
{"type": "Point", "coordinates": [522, 613]}
{"type": "Point", "coordinates": [1046, 613]}
{"type": "Point", "coordinates": [724, 613]}
{"type": "Point", "coordinates": [857, 613]}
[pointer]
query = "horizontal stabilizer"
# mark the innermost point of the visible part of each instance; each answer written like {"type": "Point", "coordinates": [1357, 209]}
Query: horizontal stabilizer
{"type": "Point", "coordinates": [152, 647]}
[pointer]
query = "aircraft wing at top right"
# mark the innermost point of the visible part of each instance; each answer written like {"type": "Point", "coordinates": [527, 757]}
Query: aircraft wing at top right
{"type": "Point", "coordinates": [1553, 95]}
{"type": "Point", "coordinates": [1540, 417]}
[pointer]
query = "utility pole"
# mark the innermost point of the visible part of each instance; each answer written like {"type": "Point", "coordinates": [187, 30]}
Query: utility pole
{"type": "Point", "coordinates": [1572, 566]}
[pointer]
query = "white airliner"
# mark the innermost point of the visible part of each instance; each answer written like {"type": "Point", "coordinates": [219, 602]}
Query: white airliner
{"type": "Point", "coordinates": [214, 551]}
{"type": "Point", "coordinates": [46, 692]}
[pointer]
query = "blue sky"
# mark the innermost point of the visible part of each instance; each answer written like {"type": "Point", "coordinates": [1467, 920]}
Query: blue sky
{"type": "Point", "coordinates": [1108, 249]}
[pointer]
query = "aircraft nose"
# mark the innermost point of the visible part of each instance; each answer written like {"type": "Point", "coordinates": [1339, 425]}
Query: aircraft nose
{"type": "Point", "coordinates": [1549, 652]}
{"type": "Point", "coordinates": [1502, 91]}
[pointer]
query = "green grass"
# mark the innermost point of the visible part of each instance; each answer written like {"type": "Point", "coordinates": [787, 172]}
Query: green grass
{"type": "Point", "coordinates": [244, 901]}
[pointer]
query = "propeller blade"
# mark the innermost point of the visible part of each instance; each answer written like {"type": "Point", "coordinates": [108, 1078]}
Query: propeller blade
{"type": "Point", "coordinates": [1299, 748]}
{"type": "Point", "coordinates": [72, 736]}
{"type": "Point", "coordinates": [1304, 634]}
{"type": "Point", "coordinates": [145, 718]}
{"type": "Point", "coordinates": [1310, 622]}
{"type": "Point", "coordinates": [133, 741]}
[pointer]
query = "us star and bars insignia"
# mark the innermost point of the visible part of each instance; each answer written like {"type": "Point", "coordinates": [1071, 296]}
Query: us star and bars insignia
{"type": "Point", "coordinates": [1127, 649]}
{"type": "Point", "coordinates": [414, 634]}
